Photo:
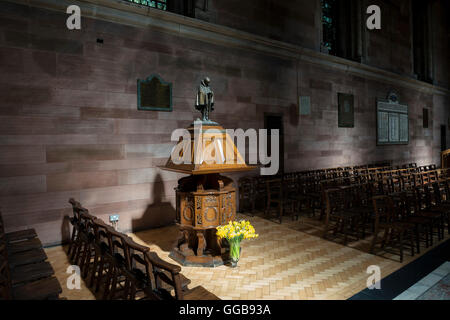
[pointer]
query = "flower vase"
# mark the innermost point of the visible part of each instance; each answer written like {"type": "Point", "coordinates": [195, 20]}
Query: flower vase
{"type": "Point", "coordinates": [235, 252]}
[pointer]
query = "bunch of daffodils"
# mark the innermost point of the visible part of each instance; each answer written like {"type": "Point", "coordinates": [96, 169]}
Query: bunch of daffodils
{"type": "Point", "coordinates": [237, 231]}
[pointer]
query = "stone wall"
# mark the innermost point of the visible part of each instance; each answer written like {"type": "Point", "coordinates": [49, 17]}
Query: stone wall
{"type": "Point", "coordinates": [70, 125]}
{"type": "Point", "coordinates": [296, 22]}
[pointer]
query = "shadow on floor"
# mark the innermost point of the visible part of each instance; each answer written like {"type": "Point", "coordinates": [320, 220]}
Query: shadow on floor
{"type": "Point", "coordinates": [311, 225]}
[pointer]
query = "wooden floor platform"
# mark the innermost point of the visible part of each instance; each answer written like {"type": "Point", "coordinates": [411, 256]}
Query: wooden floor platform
{"type": "Point", "coordinates": [288, 261]}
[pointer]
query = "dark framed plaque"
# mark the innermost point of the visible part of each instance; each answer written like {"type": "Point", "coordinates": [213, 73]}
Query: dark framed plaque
{"type": "Point", "coordinates": [154, 93]}
{"type": "Point", "coordinates": [425, 118]}
{"type": "Point", "coordinates": [392, 121]}
{"type": "Point", "coordinates": [346, 114]}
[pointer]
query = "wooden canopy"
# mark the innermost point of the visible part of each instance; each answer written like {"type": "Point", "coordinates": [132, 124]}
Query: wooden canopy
{"type": "Point", "coordinates": [206, 149]}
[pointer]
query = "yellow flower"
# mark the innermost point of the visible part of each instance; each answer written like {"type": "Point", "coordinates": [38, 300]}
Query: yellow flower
{"type": "Point", "coordinates": [236, 229]}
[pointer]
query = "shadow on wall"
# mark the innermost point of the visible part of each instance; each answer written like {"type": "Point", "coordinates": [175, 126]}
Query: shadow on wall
{"type": "Point", "coordinates": [66, 229]}
{"type": "Point", "coordinates": [157, 214]}
{"type": "Point", "coordinates": [294, 115]}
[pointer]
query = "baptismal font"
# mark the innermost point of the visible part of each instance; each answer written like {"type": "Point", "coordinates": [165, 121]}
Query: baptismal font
{"type": "Point", "coordinates": [205, 199]}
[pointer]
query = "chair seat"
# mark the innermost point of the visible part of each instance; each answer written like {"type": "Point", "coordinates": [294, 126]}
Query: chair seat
{"type": "Point", "coordinates": [440, 207]}
{"type": "Point", "coordinates": [402, 226]}
{"type": "Point", "coordinates": [301, 197]}
{"type": "Point", "coordinates": [361, 210]}
{"type": "Point", "coordinates": [429, 214]}
{"type": "Point", "coordinates": [20, 235]}
{"type": "Point", "coordinates": [397, 196]}
{"type": "Point", "coordinates": [22, 246]}
{"type": "Point", "coordinates": [31, 272]}
{"type": "Point", "coordinates": [44, 289]}
{"type": "Point", "coordinates": [348, 213]}
{"type": "Point", "coordinates": [290, 199]}
{"type": "Point", "coordinates": [314, 195]}
{"type": "Point", "coordinates": [27, 257]}
{"type": "Point", "coordinates": [418, 220]}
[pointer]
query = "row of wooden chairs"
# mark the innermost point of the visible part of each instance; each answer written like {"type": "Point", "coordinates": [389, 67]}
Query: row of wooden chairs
{"type": "Point", "coordinates": [24, 272]}
{"type": "Point", "coordinates": [345, 200]}
{"type": "Point", "coordinates": [116, 267]}
{"type": "Point", "coordinates": [404, 217]}
{"type": "Point", "coordinates": [303, 191]}
{"type": "Point", "coordinates": [291, 192]}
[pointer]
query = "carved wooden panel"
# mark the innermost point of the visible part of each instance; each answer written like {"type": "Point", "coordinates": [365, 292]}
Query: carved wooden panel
{"type": "Point", "coordinates": [186, 209]}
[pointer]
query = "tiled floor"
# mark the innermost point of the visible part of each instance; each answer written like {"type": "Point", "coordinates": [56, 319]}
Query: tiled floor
{"type": "Point", "coordinates": [440, 291]}
{"type": "Point", "coordinates": [287, 262]}
{"type": "Point", "coordinates": [435, 286]}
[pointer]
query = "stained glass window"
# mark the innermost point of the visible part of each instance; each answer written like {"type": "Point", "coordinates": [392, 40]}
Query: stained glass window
{"type": "Point", "coordinates": [329, 25]}
{"type": "Point", "coordinates": [158, 4]}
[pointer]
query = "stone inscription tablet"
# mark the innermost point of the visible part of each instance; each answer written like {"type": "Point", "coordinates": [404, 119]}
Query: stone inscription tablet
{"type": "Point", "coordinates": [392, 123]}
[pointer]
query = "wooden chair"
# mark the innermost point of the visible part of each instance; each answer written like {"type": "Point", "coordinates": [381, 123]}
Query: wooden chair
{"type": "Point", "coordinates": [20, 235]}
{"type": "Point", "coordinates": [76, 224]}
{"type": "Point", "coordinates": [447, 201]}
{"type": "Point", "coordinates": [140, 273]}
{"type": "Point", "coordinates": [304, 201]}
{"type": "Point", "coordinates": [361, 204]}
{"type": "Point", "coordinates": [291, 197]}
{"type": "Point", "coordinates": [313, 191]}
{"type": "Point", "coordinates": [246, 194]}
{"type": "Point", "coordinates": [274, 190]}
{"type": "Point", "coordinates": [5, 277]}
{"type": "Point", "coordinates": [166, 276]}
{"type": "Point", "coordinates": [259, 200]}
{"type": "Point", "coordinates": [394, 231]}
{"type": "Point", "coordinates": [103, 257]}
{"type": "Point", "coordinates": [21, 247]}
{"type": "Point", "coordinates": [116, 281]}
{"type": "Point", "coordinates": [427, 198]}
{"type": "Point", "coordinates": [338, 218]}
{"type": "Point", "coordinates": [22, 278]}
{"type": "Point", "coordinates": [436, 203]}
{"type": "Point", "coordinates": [422, 225]}
{"type": "Point", "coordinates": [84, 242]}
{"type": "Point", "coordinates": [407, 182]}
{"type": "Point", "coordinates": [20, 241]}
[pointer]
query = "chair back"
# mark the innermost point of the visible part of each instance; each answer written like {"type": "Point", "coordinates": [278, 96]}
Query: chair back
{"type": "Point", "coordinates": [138, 270]}
{"type": "Point", "coordinates": [165, 275]}
{"type": "Point", "coordinates": [5, 276]}
{"type": "Point", "coordinates": [101, 236]}
{"type": "Point", "coordinates": [119, 249]}
{"type": "Point", "coordinates": [334, 201]}
{"type": "Point", "coordinates": [85, 224]}
{"type": "Point", "coordinates": [274, 189]}
{"type": "Point", "coordinates": [384, 209]}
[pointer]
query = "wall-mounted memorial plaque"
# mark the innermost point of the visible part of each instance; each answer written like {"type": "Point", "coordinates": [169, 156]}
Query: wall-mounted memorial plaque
{"type": "Point", "coordinates": [154, 94]}
{"type": "Point", "coordinates": [346, 115]}
{"type": "Point", "coordinates": [425, 118]}
{"type": "Point", "coordinates": [305, 105]}
{"type": "Point", "coordinates": [392, 121]}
